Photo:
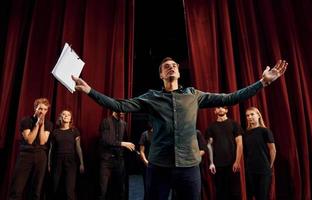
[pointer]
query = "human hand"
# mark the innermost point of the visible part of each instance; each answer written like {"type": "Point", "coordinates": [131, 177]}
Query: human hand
{"type": "Point", "coordinates": [270, 75]}
{"type": "Point", "coordinates": [128, 145]}
{"type": "Point", "coordinates": [81, 168]}
{"type": "Point", "coordinates": [236, 167]}
{"type": "Point", "coordinates": [81, 85]}
{"type": "Point", "coordinates": [212, 168]}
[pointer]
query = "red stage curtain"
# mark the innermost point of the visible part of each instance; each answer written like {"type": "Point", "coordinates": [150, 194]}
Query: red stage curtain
{"type": "Point", "coordinates": [230, 44]}
{"type": "Point", "coordinates": [100, 31]}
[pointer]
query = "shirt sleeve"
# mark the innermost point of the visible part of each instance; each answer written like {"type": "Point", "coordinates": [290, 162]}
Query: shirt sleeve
{"type": "Point", "coordinates": [237, 129]}
{"type": "Point", "coordinates": [268, 136]}
{"type": "Point", "coordinates": [208, 133]}
{"type": "Point", "coordinates": [48, 126]}
{"type": "Point", "coordinates": [124, 105]}
{"type": "Point", "coordinates": [201, 142]}
{"type": "Point", "coordinates": [26, 123]}
{"type": "Point", "coordinates": [207, 99]}
{"type": "Point", "coordinates": [76, 133]}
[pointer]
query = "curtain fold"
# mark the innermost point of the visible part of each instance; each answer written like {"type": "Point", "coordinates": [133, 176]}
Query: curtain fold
{"type": "Point", "coordinates": [230, 44]}
{"type": "Point", "coordinates": [101, 32]}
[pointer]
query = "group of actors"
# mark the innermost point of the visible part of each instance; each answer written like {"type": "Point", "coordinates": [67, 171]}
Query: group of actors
{"type": "Point", "coordinates": [172, 162]}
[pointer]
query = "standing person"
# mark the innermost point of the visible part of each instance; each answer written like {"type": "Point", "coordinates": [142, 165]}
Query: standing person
{"type": "Point", "coordinates": [225, 146]}
{"type": "Point", "coordinates": [260, 154]}
{"type": "Point", "coordinates": [32, 160]}
{"type": "Point", "coordinates": [145, 143]}
{"type": "Point", "coordinates": [112, 169]}
{"type": "Point", "coordinates": [174, 154]}
{"type": "Point", "coordinates": [202, 151]}
{"type": "Point", "coordinates": [64, 146]}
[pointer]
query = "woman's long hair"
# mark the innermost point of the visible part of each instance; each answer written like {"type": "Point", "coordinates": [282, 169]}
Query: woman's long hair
{"type": "Point", "coordinates": [261, 122]}
{"type": "Point", "coordinates": [59, 119]}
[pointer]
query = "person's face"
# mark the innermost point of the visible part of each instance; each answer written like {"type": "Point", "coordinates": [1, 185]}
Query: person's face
{"type": "Point", "coordinates": [66, 116]}
{"type": "Point", "coordinates": [41, 110]}
{"type": "Point", "coordinates": [169, 70]}
{"type": "Point", "coordinates": [220, 111]}
{"type": "Point", "coordinates": [252, 117]}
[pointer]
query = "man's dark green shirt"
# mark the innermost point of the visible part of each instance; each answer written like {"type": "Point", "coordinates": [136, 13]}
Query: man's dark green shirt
{"type": "Point", "coordinates": [173, 115]}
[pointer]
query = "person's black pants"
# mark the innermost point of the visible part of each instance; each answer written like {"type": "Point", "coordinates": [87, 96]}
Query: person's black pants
{"type": "Point", "coordinates": [227, 183]}
{"type": "Point", "coordinates": [184, 181]}
{"type": "Point", "coordinates": [112, 178]}
{"type": "Point", "coordinates": [64, 167]}
{"type": "Point", "coordinates": [29, 165]}
{"type": "Point", "coordinates": [258, 185]}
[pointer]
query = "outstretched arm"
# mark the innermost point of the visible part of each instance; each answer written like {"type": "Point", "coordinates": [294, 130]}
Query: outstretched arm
{"type": "Point", "coordinates": [270, 75]}
{"type": "Point", "coordinates": [81, 85]}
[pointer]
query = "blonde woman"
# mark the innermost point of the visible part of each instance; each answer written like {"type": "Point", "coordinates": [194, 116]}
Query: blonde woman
{"type": "Point", "coordinates": [260, 154]}
{"type": "Point", "coordinates": [65, 143]}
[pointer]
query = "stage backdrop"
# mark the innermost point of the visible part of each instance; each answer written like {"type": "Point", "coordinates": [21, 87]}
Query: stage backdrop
{"type": "Point", "coordinates": [32, 36]}
{"type": "Point", "coordinates": [229, 42]}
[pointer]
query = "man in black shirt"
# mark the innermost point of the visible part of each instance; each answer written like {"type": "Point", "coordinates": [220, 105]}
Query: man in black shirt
{"type": "Point", "coordinates": [113, 130]}
{"type": "Point", "coordinates": [225, 146]}
{"type": "Point", "coordinates": [32, 160]}
{"type": "Point", "coordinates": [174, 154]}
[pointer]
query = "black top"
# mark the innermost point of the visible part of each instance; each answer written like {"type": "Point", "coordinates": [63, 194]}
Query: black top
{"type": "Point", "coordinates": [256, 150]}
{"type": "Point", "coordinates": [173, 116]}
{"type": "Point", "coordinates": [29, 123]}
{"type": "Point", "coordinates": [64, 141]}
{"type": "Point", "coordinates": [202, 144]}
{"type": "Point", "coordinates": [224, 144]}
{"type": "Point", "coordinates": [145, 140]}
{"type": "Point", "coordinates": [112, 133]}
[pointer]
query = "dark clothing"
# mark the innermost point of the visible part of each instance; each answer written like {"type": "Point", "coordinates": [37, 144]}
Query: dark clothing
{"type": "Point", "coordinates": [112, 171]}
{"type": "Point", "coordinates": [64, 163]}
{"type": "Point", "coordinates": [29, 123]}
{"type": "Point", "coordinates": [258, 185]}
{"type": "Point", "coordinates": [224, 144]}
{"type": "Point", "coordinates": [31, 163]}
{"type": "Point", "coordinates": [256, 151]}
{"type": "Point", "coordinates": [145, 140]}
{"type": "Point", "coordinates": [202, 144]}
{"type": "Point", "coordinates": [112, 133]}
{"type": "Point", "coordinates": [184, 181]}
{"type": "Point", "coordinates": [226, 181]}
{"type": "Point", "coordinates": [112, 178]}
{"type": "Point", "coordinates": [257, 156]}
{"type": "Point", "coordinates": [64, 141]}
{"type": "Point", "coordinates": [174, 116]}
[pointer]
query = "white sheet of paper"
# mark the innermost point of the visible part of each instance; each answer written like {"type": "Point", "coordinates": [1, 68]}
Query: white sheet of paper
{"type": "Point", "coordinates": [68, 64]}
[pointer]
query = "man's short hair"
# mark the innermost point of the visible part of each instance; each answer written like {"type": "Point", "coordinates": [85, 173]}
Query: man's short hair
{"type": "Point", "coordinates": [163, 61]}
{"type": "Point", "coordinates": [44, 101]}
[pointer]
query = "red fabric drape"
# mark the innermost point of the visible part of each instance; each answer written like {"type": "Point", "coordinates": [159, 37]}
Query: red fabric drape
{"type": "Point", "coordinates": [230, 43]}
{"type": "Point", "coordinates": [100, 31]}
